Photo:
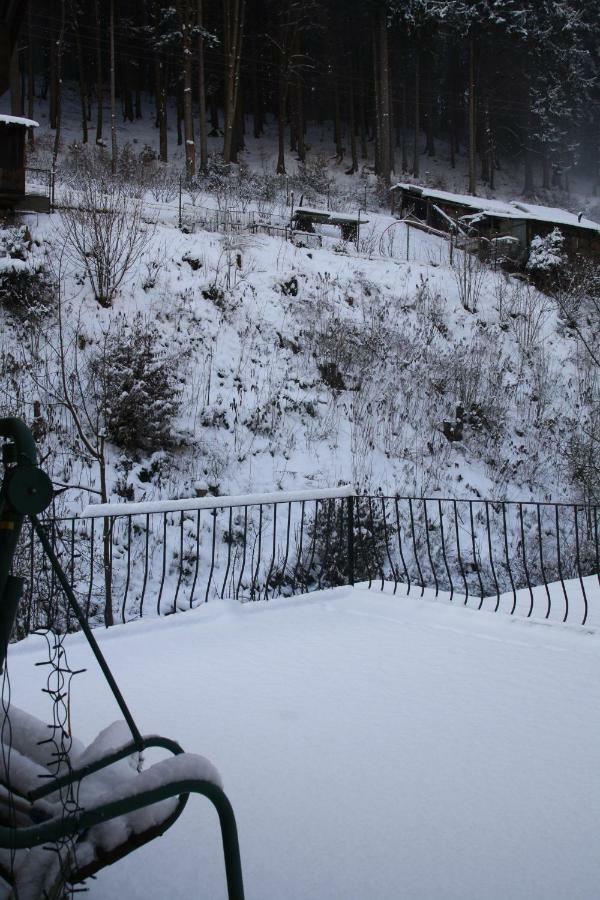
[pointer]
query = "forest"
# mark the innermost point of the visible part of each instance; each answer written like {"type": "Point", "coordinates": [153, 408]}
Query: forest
{"type": "Point", "coordinates": [497, 81]}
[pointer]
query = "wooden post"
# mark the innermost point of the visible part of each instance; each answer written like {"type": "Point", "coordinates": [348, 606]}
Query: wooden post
{"type": "Point", "coordinates": [472, 115]}
{"type": "Point", "coordinates": [113, 92]}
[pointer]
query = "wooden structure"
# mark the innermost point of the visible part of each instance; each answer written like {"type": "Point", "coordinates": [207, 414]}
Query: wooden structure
{"type": "Point", "coordinates": [496, 220]}
{"type": "Point", "coordinates": [13, 192]}
{"type": "Point", "coordinates": [305, 219]}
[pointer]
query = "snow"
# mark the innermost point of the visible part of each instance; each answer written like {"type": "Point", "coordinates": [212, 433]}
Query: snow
{"type": "Point", "coordinates": [371, 746]}
{"type": "Point", "coordinates": [499, 207]}
{"type": "Point", "coordinates": [554, 215]}
{"type": "Point", "coordinates": [96, 510]}
{"type": "Point", "coordinates": [18, 120]}
{"type": "Point", "coordinates": [9, 266]}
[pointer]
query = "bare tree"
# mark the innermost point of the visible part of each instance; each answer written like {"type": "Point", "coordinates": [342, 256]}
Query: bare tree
{"type": "Point", "coordinates": [233, 33]}
{"type": "Point", "coordinates": [186, 23]}
{"type": "Point", "coordinates": [201, 90]}
{"type": "Point", "coordinates": [66, 384]}
{"type": "Point", "coordinates": [104, 232]}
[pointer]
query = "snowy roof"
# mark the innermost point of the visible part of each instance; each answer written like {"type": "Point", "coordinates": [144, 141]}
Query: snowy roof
{"type": "Point", "coordinates": [515, 209]}
{"type": "Point", "coordinates": [328, 214]}
{"type": "Point", "coordinates": [477, 203]}
{"type": "Point", "coordinates": [18, 120]}
{"type": "Point", "coordinates": [554, 214]}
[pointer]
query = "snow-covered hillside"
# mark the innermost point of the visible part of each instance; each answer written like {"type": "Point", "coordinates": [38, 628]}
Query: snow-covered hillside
{"type": "Point", "coordinates": [296, 366]}
{"type": "Point", "coordinates": [305, 367]}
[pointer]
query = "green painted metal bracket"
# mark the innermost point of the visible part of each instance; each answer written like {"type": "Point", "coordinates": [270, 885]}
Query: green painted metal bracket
{"type": "Point", "coordinates": [69, 825]}
{"type": "Point", "coordinates": [25, 490]}
{"type": "Point", "coordinates": [128, 749]}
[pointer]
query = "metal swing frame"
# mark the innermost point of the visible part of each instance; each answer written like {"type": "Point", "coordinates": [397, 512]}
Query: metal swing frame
{"type": "Point", "coordinates": [25, 492]}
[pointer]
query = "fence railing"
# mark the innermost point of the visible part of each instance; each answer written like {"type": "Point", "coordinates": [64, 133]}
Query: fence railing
{"type": "Point", "coordinates": [128, 561]}
{"type": "Point", "coordinates": [230, 219]}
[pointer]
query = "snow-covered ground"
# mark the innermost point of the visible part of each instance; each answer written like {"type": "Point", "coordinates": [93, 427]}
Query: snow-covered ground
{"type": "Point", "coordinates": [372, 746]}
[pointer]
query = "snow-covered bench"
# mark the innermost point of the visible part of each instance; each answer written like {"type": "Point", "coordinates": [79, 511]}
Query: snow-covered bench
{"type": "Point", "coordinates": [118, 808]}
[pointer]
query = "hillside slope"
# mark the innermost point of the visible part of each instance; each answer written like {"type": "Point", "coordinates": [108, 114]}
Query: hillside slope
{"type": "Point", "coordinates": [383, 365]}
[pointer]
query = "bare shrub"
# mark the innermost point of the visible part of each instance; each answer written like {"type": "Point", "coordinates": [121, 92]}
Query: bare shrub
{"type": "Point", "coordinates": [469, 274]}
{"type": "Point", "coordinates": [163, 184]}
{"type": "Point", "coordinates": [103, 232]}
{"type": "Point", "coordinates": [525, 312]}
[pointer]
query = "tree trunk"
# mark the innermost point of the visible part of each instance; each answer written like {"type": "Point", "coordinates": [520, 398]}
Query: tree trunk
{"type": "Point", "coordinates": [362, 121]}
{"type": "Point", "coordinates": [126, 82]}
{"type": "Point", "coordinates": [214, 115]}
{"type": "Point", "coordinates": [430, 116]}
{"type": "Point", "coordinates": [351, 117]}
{"type": "Point", "coordinates": [337, 118]}
{"type": "Point", "coordinates": [202, 93]}
{"type": "Point", "coordinates": [161, 88]}
{"type": "Point", "coordinates": [415, 167]}
{"type": "Point", "coordinates": [58, 78]}
{"type": "Point", "coordinates": [113, 93]}
{"type": "Point", "coordinates": [281, 120]}
{"type": "Point", "coordinates": [53, 79]}
{"type": "Point", "coordinates": [179, 111]}
{"type": "Point", "coordinates": [30, 78]}
{"type": "Point", "coordinates": [257, 103]}
{"type": "Point", "coordinates": [404, 129]}
{"type": "Point", "coordinates": [82, 82]}
{"type": "Point", "coordinates": [188, 120]}
{"type": "Point", "coordinates": [528, 167]}
{"type": "Point", "coordinates": [300, 125]}
{"type": "Point", "coordinates": [472, 175]}
{"type": "Point", "coordinates": [545, 171]}
{"type": "Point", "coordinates": [138, 69]}
{"type": "Point", "coordinates": [99, 92]}
{"type": "Point", "coordinates": [233, 32]}
{"type": "Point", "coordinates": [377, 102]}
{"type": "Point", "coordinates": [239, 128]}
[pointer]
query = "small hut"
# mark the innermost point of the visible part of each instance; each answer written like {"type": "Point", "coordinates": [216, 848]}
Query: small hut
{"type": "Point", "coordinates": [13, 131]}
{"type": "Point", "coordinates": [496, 220]}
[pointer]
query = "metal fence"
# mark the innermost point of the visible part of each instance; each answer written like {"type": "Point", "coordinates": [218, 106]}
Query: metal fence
{"type": "Point", "coordinates": [226, 220]}
{"type": "Point", "coordinates": [539, 560]}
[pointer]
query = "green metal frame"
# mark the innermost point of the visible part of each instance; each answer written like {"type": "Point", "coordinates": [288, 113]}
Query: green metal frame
{"type": "Point", "coordinates": [25, 492]}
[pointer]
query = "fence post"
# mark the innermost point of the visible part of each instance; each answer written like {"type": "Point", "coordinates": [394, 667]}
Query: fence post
{"type": "Point", "coordinates": [180, 187]}
{"type": "Point", "coordinates": [351, 541]}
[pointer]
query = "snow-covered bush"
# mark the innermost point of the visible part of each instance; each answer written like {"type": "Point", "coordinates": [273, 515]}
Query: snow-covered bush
{"type": "Point", "coordinates": [26, 289]}
{"type": "Point", "coordinates": [137, 387]}
{"type": "Point", "coordinates": [547, 254]}
{"type": "Point", "coordinates": [314, 178]}
{"type": "Point", "coordinates": [324, 557]}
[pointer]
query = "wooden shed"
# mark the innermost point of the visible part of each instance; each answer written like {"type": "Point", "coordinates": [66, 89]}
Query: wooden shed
{"type": "Point", "coordinates": [13, 131]}
{"type": "Point", "coordinates": [496, 219]}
